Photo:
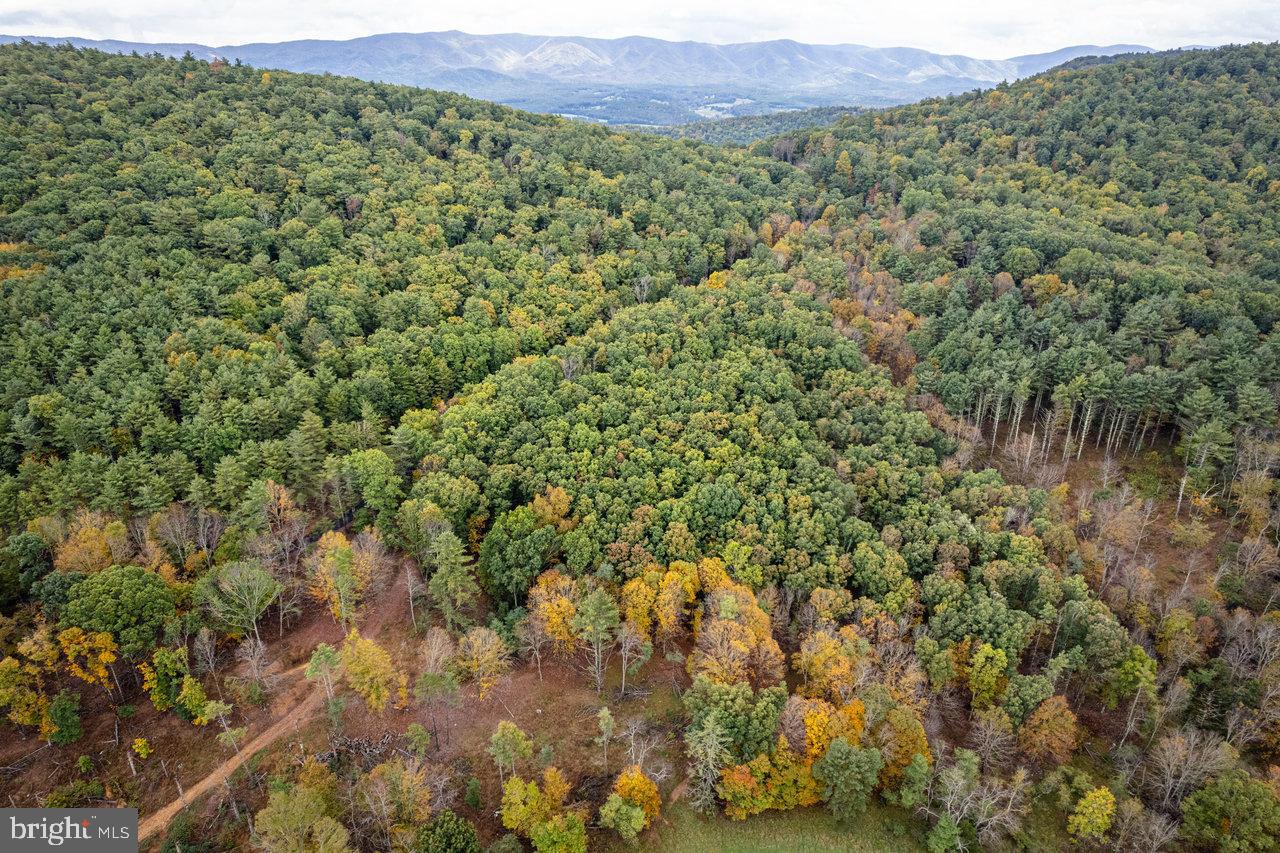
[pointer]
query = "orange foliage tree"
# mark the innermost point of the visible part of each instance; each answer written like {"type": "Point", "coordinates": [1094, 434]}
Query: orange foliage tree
{"type": "Point", "coordinates": [1050, 733]}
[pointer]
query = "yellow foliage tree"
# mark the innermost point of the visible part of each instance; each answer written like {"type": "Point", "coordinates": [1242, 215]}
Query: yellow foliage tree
{"type": "Point", "coordinates": [553, 603]}
{"type": "Point", "coordinates": [22, 687]}
{"type": "Point", "coordinates": [89, 655]}
{"type": "Point", "coordinates": [397, 796]}
{"type": "Point", "coordinates": [827, 663]}
{"type": "Point", "coordinates": [93, 542]}
{"type": "Point", "coordinates": [525, 805]}
{"type": "Point", "coordinates": [1093, 815]}
{"type": "Point", "coordinates": [637, 602]}
{"type": "Point", "coordinates": [900, 738]}
{"type": "Point", "coordinates": [777, 780]}
{"type": "Point", "coordinates": [712, 574]}
{"type": "Point", "coordinates": [337, 578]}
{"type": "Point", "coordinates": [830, 605]}
{"type": "Point", "coordinates": [85, 550]}
{"type": "Point", "coordinates": [851, 721]}
{"type": "Point", "coordinates": [552, 507]}
{"type": "Point", "coordinates": [369, 671]}
{"type": "Point", "coordinates": [790, 784]}
{"type": "Point", "coordinates": [483, 658]}
{"type": "Point", "coordinates": [669, 605]}
{"type": "Point", "coordinates": [638, 789]}
{"type": "Point", "coordinates": [735, 643]}
{"type": "Point", "coordinates": [722, 652]}
{"type": "Point", "coordinates": [23, 695]}
{"type": "Point", "coordinates": [819, 729]}
{"type": "Point", "coordinates": [39, 648]}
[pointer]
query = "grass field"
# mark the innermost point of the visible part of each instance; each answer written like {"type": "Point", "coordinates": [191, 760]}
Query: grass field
{"type": "Point", "coordinates": [812, 830]}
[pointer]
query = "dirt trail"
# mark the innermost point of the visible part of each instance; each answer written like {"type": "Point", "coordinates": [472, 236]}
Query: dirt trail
{"type": "Point", "coordinates": [291, 715]}
{"type": "Point", "coordinates": [289, 721]}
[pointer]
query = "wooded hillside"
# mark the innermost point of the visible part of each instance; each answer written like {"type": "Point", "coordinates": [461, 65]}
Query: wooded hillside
{"type": "Point", "coordinates": [924, 463]}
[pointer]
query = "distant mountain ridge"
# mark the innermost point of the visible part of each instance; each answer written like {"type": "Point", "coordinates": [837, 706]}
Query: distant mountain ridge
{"type": "Point", "coordinates": [636, 79]}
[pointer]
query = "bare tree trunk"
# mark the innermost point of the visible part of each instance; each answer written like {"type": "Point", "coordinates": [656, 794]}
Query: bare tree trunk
{"type": "Point", "coordinates": [995, 429]}
{"type": "Point", "coordinates": [1066, 441]}
{"type": "Point", "coordinates": [1084, 428]}
{"type": "Point", "coordinates": [408, 581]}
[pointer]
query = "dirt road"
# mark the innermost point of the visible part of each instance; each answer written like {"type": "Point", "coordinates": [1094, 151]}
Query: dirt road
{"type": "Point", "coordinates": [287, 723]}
{"type": "Point", "coordinates": [290, 714]}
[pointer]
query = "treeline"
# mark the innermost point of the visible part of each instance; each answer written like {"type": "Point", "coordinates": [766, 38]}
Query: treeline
{"type": "Point", "coordinates": [743, 130]}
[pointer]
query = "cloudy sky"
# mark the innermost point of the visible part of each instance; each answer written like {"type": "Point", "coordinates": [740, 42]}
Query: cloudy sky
{"type": "Point", "coordinates": [983, 28]}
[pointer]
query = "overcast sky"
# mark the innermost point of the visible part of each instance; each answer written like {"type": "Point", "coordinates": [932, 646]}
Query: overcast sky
{"type": "Point", "coordinates": [984, 28]}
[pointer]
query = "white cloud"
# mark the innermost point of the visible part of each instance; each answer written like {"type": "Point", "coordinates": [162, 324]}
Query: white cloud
{"type": "Point", "coordinates": [984, 28]}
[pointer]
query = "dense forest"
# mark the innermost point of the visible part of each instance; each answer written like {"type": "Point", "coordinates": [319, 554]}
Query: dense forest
{"type": "Point", "coordinates": [1116, 233]}
{"type": "Point", "coordinates": [552, 484]}
{"type": "Point", "coordinates": [743, 130]}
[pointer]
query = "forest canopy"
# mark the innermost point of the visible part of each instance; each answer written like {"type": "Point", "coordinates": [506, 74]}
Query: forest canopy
{"type": "Point", "coordinates": [866, 437]}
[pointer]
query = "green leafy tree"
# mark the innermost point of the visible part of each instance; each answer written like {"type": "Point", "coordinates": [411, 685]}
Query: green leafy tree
{"type": "Point", "coordinates": [452, 586]}
{"type": "Point", "coordinates": [915, 783]}
{"type": "Point", "coordinates": [374, 482]}
{"type": "Point", "coordinates": [605, 722]}
{"type": "Point", "coordinates": [1232, 813]}
{"type": "Point", "coordinates": [508, 745]}
{"type": "Point", "coordinates": [1021, 262]}
{"type": "Point", "coordinates": [746, 719]}
{"type": "Point", "coordinates": [299, 820]}
{"type": "Point", "coordinates": [419, 739]}
{"type": "Point", "coordinates": [848, 775]}
{"type": "Point", "coordinates": [936, 661]}
{"type": "Point", "coordinates": [564, 833]}
{"type": "Point", "coordinates": [64, 714]}
{"type": "Point", "coordinates": [945, 837]}
{"type": "Point", "coordinates": [237, 595]}
{"type": "Point", "coordinates": [596, 624]}
{"type": "Point", "coordinates": [622, 817]}
{"type": "Point", "coordinates": [324, 666]}
{"type": "Point", "coordinates": [29, 557]}
{"type": "Point", "coordinates": [447, 832]}
{"type": "Point", "coordinates": [513, 553]}
{"type": "Point", "coordinates": [987, 674]}
{"type": "Point", "coordinates": [128, 602]}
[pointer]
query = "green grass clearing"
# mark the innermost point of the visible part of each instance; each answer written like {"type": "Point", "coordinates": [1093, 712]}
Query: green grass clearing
{"type": "Point", "coordinates": [812, 830]}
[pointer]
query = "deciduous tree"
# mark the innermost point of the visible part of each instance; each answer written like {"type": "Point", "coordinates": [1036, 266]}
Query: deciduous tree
{"type": "Point", "coordinates": [508, 745]}
{"type": "Point", "coordinates": [483, 658]}
{"type": "Point", "coordinates": [127, 602]}
{"type": "Point", "coordinates": [369, 671]}
{"type": "Point", "coordinates": [236, 595]}
{"type": "Point", "coordinates": [1233, 813]}
{"type": "Point", "coordinates": [89, 656]}
{"type": "Point", "coordinates": [1050, 734]}
{"type": "Point", "coordinates": [337, 579]}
